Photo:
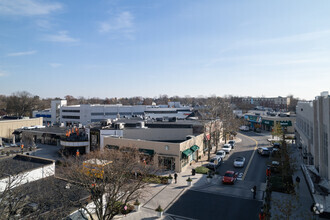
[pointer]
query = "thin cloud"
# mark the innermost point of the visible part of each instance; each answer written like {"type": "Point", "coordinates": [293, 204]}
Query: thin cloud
{"type": "Point", "coordinates": [24, 53]}
{"type": "Point", "coordinates": [28, 7]}
{"type": "Point", "coordinates": [62, 36]}
{"type": "Point", "coordinates": [2, 73]}
{"type": "Point", "coordinates": [298, 37]}
{"type": "Point", "coordinates": [44, 24]}
{"type": "Point", "coordinates": [55, 65]}
{"type": "Point", "coordinates": [123, 23]}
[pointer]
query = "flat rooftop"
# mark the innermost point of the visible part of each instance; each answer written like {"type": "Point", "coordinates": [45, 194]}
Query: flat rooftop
{"type": "Point", "coordinates": [21, 163]}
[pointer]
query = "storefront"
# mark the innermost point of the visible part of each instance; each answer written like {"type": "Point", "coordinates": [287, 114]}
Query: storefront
{"type": "Point", "coordinates": [146, 155]}
{"type": "Point", "coordinates": [267, 125]}
{"type": "Point", "coordinates": [165, 162]}
{"type": "Point", "coordinates": [188, 155]}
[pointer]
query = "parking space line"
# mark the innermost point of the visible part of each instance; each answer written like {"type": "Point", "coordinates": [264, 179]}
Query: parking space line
{"type": "Point", "coordinates": [250, 161]}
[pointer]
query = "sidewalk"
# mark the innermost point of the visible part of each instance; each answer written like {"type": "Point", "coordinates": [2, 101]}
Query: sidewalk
{"type": "Point", "coordinates": [301, 202]}
{"type": "Point", "coordinates": [166, 195]}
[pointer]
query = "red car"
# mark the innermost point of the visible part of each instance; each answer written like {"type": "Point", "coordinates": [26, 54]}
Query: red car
{"type": "Point", "coordinates": [229, 177]}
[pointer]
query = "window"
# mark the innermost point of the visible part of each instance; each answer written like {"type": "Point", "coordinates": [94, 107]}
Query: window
{"type": "Point", "coordinates": [71, 117]}
{"type": "Point", "coordinates": [70, 110]}
{"type": "Point", "coordinates": [97, 113]}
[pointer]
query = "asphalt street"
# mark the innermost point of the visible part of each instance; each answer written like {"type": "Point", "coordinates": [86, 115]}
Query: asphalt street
{"type": "Point", "coordinates": [219, 201]}
{"type": "Point", "coordinates": [200, 205]}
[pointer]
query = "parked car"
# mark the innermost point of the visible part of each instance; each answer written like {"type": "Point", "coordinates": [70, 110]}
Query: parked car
{"type": "Point", "coordinates": [214, 163]}
{"type": "Point", "coordinates": [239, 162]}
{"type": "Point", "coordinates": [276, 145]}
{"type": "Point", "coordinates": [232, 143]}
{"type": "Point", "coordinates": [221, 153]}
{"type": "Point", "coordinates": [230, 177]}
{"type": "Point", "coordinates": [227, 148]}
{"type": "Point", "coordinates": [263, 151]}
{"type": "Point", "coordinates": [275, 167]}
{"type": "Point", "coordinates": [244, 128]}
{"type": "Point", "coordinates": [13, 145]}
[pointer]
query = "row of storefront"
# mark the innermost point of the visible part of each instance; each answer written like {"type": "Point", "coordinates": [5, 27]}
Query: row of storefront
{"type": "Point", "coordinates": [267, 123]}
{"type": "Point", "coordinates": [167, 156]}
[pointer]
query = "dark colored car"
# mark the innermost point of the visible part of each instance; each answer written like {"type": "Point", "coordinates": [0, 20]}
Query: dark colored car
{"type": "Point", "coordinates": [263, 151]}
{"type": "Point", "coordinates": [232, 143]}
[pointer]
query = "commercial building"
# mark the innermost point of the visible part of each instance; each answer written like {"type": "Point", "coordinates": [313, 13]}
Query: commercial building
{"type": "Point", "coordinates": [273, 102]}
{"type": "Point", "coordinates": [313, 129]}
{"type": "Point", "coordinates": [312, 137]}
{"type": "Point", "coordinates": [168, 145]}
{"type": "Point", "coordinates": [7, 127]}
{"type": "Point", "coordinates": [23, 169]}
{"type": "Point", "coordinates": [87, 113]}
{"type": "Point", "coordinates": [262, 120]}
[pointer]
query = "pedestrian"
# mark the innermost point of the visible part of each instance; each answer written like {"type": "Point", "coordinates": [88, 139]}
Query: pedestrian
{"type": "Point", "coordinates": [254, 191]}
{"type": "Point", "coordinates": [175, 177]}
{"type": "Point", "coordinates": [125, 210]}
{"type": "Point", "coordinates": [262, 215]}
{"type": "Point", "coordinates": [297, 181]}
{"type": "Point", "coordinates": [268, 172]}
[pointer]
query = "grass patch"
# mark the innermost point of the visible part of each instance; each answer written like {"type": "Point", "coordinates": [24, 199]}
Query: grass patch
{"type": "Point", "coordinates": [156, 179]}
{"type": "Point", "coordinates": [202, 170]}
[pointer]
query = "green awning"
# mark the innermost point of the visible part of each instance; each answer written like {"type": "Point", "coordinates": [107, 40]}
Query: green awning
{"type": "Point", "coordinates": [147, 151]}
{"type": "Point", "coordinates": [194, 148]}
{"type": "Point", "coordinates": [268, 122]}
{"type": "Point", "coordinates": [187, 152]}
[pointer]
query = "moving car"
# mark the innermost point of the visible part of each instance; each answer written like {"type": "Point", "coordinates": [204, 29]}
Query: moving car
{"type": "Point", "coordinates": [230, 177]}
{"type": "Point", "coordinates": [227, 148]}
{"type": "Point", "coordinates": [220, 153]}
{"type": "Point", "coordinates": [232, 143]}
{"type": "Point", "coordinates": [239, 162]}
{"type": "Point", "coordinates": [263, 151]}
{"type": "Point", "coordinates": [214, 163]}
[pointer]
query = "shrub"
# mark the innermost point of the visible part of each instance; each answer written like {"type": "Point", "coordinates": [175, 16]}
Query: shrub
{"type": "Point", "coordinates": [137, 202]}
{"type": "Point", "coordinates": [155, 179]}
{"type": "Point", "coordinates": [159, 209]}
{"type": "Point", "coordinates": [202, 170]}
{"type": "Point", "coordinates": [189, 179]}
{"type": "Point", "coordinates": [170, 176]}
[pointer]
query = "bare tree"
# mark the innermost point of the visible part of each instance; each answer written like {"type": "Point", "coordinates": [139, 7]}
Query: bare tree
{"type": "Point", "coordinates": [210, 114]}
{"type": "Point", "coordinates": [12, 198]}
{"type": "Point", "coordinates": [21, 103]}
{"type": "Point", "coordinates": [113, 178]}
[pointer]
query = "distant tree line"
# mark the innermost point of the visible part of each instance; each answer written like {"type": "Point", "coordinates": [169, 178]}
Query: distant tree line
{"type": "Point", "coordinates": [22, 103]}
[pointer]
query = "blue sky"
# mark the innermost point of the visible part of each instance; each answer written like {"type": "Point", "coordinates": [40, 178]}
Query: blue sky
{"type": "Point", "coordinates": [113, 48]}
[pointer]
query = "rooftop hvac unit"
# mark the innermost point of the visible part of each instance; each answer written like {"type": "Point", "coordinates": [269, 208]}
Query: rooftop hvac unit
{"type": "Point", "coordinates": [119, 126]}
{"type": "Point", "coordinates": [106, 122]}
{"type": "Point", "coordinates": [140, 124]}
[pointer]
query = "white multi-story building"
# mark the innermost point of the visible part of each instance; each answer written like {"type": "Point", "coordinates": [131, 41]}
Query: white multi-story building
{"type": "Point", "coordinates": [312, 132]}
{"type": "Point", "coordinates": [51, 116]}
{"type": "Point", "coordinates": [86, 113]}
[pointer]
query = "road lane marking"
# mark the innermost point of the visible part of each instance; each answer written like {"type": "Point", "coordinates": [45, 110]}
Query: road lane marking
{"type": "Point", "coordinates": [250, 161]}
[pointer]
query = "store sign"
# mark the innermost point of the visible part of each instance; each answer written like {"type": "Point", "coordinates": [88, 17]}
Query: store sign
{"type": "Point", "coordinates": [286, 123]}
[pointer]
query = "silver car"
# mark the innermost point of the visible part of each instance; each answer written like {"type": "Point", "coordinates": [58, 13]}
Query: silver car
{"type": "Point", "coordinates": [239, 162]}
